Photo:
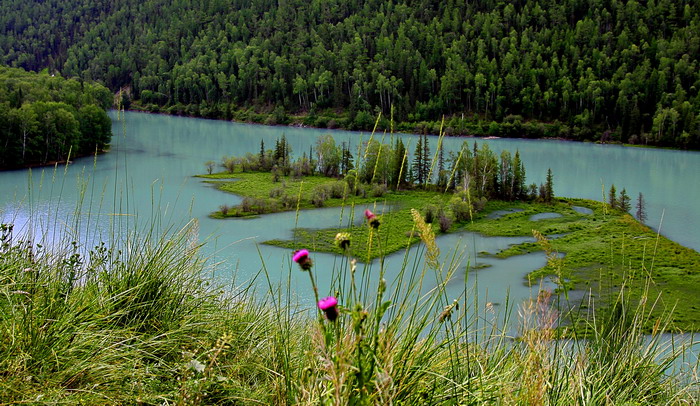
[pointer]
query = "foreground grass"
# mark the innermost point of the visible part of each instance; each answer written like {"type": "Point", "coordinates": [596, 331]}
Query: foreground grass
{"type": "Point", "coordinates": [143, 326]}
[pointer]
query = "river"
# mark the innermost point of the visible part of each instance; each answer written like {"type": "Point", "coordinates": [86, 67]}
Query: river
{"type": "Point", "coordinates": [147, 178]}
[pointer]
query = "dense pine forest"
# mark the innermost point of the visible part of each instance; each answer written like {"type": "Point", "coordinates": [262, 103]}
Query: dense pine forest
{"type": "Point", "coordinates": [618, 71]}
{"type": "Point", "coordinates": [46, 118]}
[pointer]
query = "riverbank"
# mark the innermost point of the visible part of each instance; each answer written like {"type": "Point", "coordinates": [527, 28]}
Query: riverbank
{"type": "Point", "coordinates": [472, 125]}
{"type": "Point", "coordinates": [604, 250]}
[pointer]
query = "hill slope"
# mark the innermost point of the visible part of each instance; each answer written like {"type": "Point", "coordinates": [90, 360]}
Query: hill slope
{"type": "Point", "coordinates": [621, 71]}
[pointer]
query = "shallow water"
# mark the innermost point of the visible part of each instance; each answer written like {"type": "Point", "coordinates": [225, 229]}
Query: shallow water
{"type": "Point", "coordinates": [543, 216]}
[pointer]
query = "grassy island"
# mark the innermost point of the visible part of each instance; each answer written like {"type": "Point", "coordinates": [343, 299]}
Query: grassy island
{"type": "Point", "coordinates": [602, 249]}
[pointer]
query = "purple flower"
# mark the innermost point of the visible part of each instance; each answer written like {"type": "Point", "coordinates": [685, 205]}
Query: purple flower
{"type": "Point", "coordinates": [371, 218]}
{"type": "Point", "coordinates": [329, 305]}
{"type": "Point", "coordinates": [301, 257]}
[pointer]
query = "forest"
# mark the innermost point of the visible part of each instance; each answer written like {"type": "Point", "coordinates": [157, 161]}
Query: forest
{"type": "Point", "coordinates": [618, 71]}
{"type": "Point", "coordinates": [46, 118]}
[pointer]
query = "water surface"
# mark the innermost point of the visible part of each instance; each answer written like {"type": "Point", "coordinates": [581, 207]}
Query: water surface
{"type": "Point", "coordinates": [147, 177]}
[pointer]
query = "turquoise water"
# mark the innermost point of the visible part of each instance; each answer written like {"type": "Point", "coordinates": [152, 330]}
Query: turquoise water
{"type": "Point", "coordinates": [147, 178]}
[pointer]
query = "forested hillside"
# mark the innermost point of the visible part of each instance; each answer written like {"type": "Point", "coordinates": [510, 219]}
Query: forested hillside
{"type": "Point", "coordinates": [45, 118]}
{"type": "Point", "coordinates": [580, 69]}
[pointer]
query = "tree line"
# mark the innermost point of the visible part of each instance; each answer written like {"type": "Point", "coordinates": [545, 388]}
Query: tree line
{"type": "Point", "coordinates": [46, 118]}
{"type": "Point", "coordinates": [617, 71]}
{"type": "Point", "coordinates": [475, 174]}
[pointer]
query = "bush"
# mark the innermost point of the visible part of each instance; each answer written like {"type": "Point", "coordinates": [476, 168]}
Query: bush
{"type": "Point", "coordinates": [445, 223]}
{"type": "Point", "coordinates": [319, 196]}
{"type": "Point", "coordinates": [431, 213]}
{"type": "Point", "coordinates": [339, 190]}
{"type": "Point", "coordinates": [229, 164]}
{"type": "Point", "coordinates": [460, 210]}
{"type": "Point", "coordinates": [287, 202]}
{"type": "Point", "coordinates": [351, 179]}
{"type": "Point", "coordinates": [378, 190]}
{"type": "Point", "coordinates": [275, 174]}
{"type": "Point", "coordinates": [277, 192]}
{"type": "Point", "coordinates": [247, 205]}
{"type": "Point", "coordinates": [224, 208]}
{"type": "Point", "coordinates": [479, 204]}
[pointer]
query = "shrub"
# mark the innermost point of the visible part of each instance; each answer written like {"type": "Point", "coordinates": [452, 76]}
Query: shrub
{"type": "Point", "coordinates": [286, 201]}
{"type": "Point", "coordinates": [247, 205]}
{"type": "Point", "coordinates": [460, 210]}
{"type": "Point", "coordinates": [229, 163]}
{"type": "Point", "coordinates": [275, 174]}
{"type": "Point", "coordinates": [479, 204]}
{"type": "Point", "coordinates": [378, 190]}
{"type": "Point", "coordinates": [319, 196]}
{"type": "Point", "coordinates": [445, 223]}
{"type": "Point", "coordinates": [339, 190]}
{"type": "Point", "coordinates": [224, 208]}
{"type": "Point", "coordinates": [431, 213]}
{"type": "Point", "coordinates": [351, 179]}
{"type": "Point", "coordinates": [277, 192]}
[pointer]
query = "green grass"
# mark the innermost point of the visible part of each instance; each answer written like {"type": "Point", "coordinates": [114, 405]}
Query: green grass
{"type": "Point", "coordinates": [606, 250]}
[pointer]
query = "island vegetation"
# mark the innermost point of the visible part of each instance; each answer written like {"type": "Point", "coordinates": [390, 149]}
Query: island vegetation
{"type": "Point", "coordinates": [45, 118]}
{"type": "Point", "coordinates": [619, 71]}
{"type": "Point", "coordinates": [604, 248]}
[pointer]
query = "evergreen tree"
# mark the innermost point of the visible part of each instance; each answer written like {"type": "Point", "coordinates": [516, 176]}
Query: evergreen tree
{"type": "Point", "coordinates": [427, 160]}
{"type": "Point", "coordinates": [519, 189]}
{"type": "Point", "coordinates": [399, 166]}
{"type": "Point", "coordinates": [549, 187]}
{"type": "Point", "coordinates": [346, 160]}
{"type": "Point", "coordinates": [612, 197]}
{"type": "Point", "coordinates": [261, 156]}
{"type": "Point", "coordinates": [641, 213]}
{"type": "Point", "coordinates": [442, 173]}
{"type": "Point", "coordinates": [623, 202]}
{"type": "Point", "coordinates": [418, 166]}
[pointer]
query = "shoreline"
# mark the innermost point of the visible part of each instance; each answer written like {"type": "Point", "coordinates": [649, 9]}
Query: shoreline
{"type": "Point", "coordinates": [297, 121]}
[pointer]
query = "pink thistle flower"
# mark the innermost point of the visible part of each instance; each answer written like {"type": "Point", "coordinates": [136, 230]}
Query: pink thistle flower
{"type": "Point", "coordinates": [371, 218]}
{"type": "Point", "coordinates": [301, 257]}
{"type": "Point", "coordinates": [329, 305]}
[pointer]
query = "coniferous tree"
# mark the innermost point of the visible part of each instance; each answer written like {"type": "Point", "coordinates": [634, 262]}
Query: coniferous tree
{"type": "Point", "coordinates": [427, 160]}
{"type": "Point", "coordinates": [418, 166]}
{"type": "Point", "coordinates": [346, 161]}
{"type": "Point", "coordinates": [623, 202]}
{"type": "Point", "coordinates": [519, 189]}
{"type": "Point", "coordinates": [549, 187]}
{"type": "Point", "coordinates": [612, 197]}
{"type": "Point", "coordinates": [261, 156]}
{"type": "Point", "coordinates": [442, 173]}
{"type": "Point", "coordinates": [641, 213]}
{"type": "Point", "coordinates": [399, 166]}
